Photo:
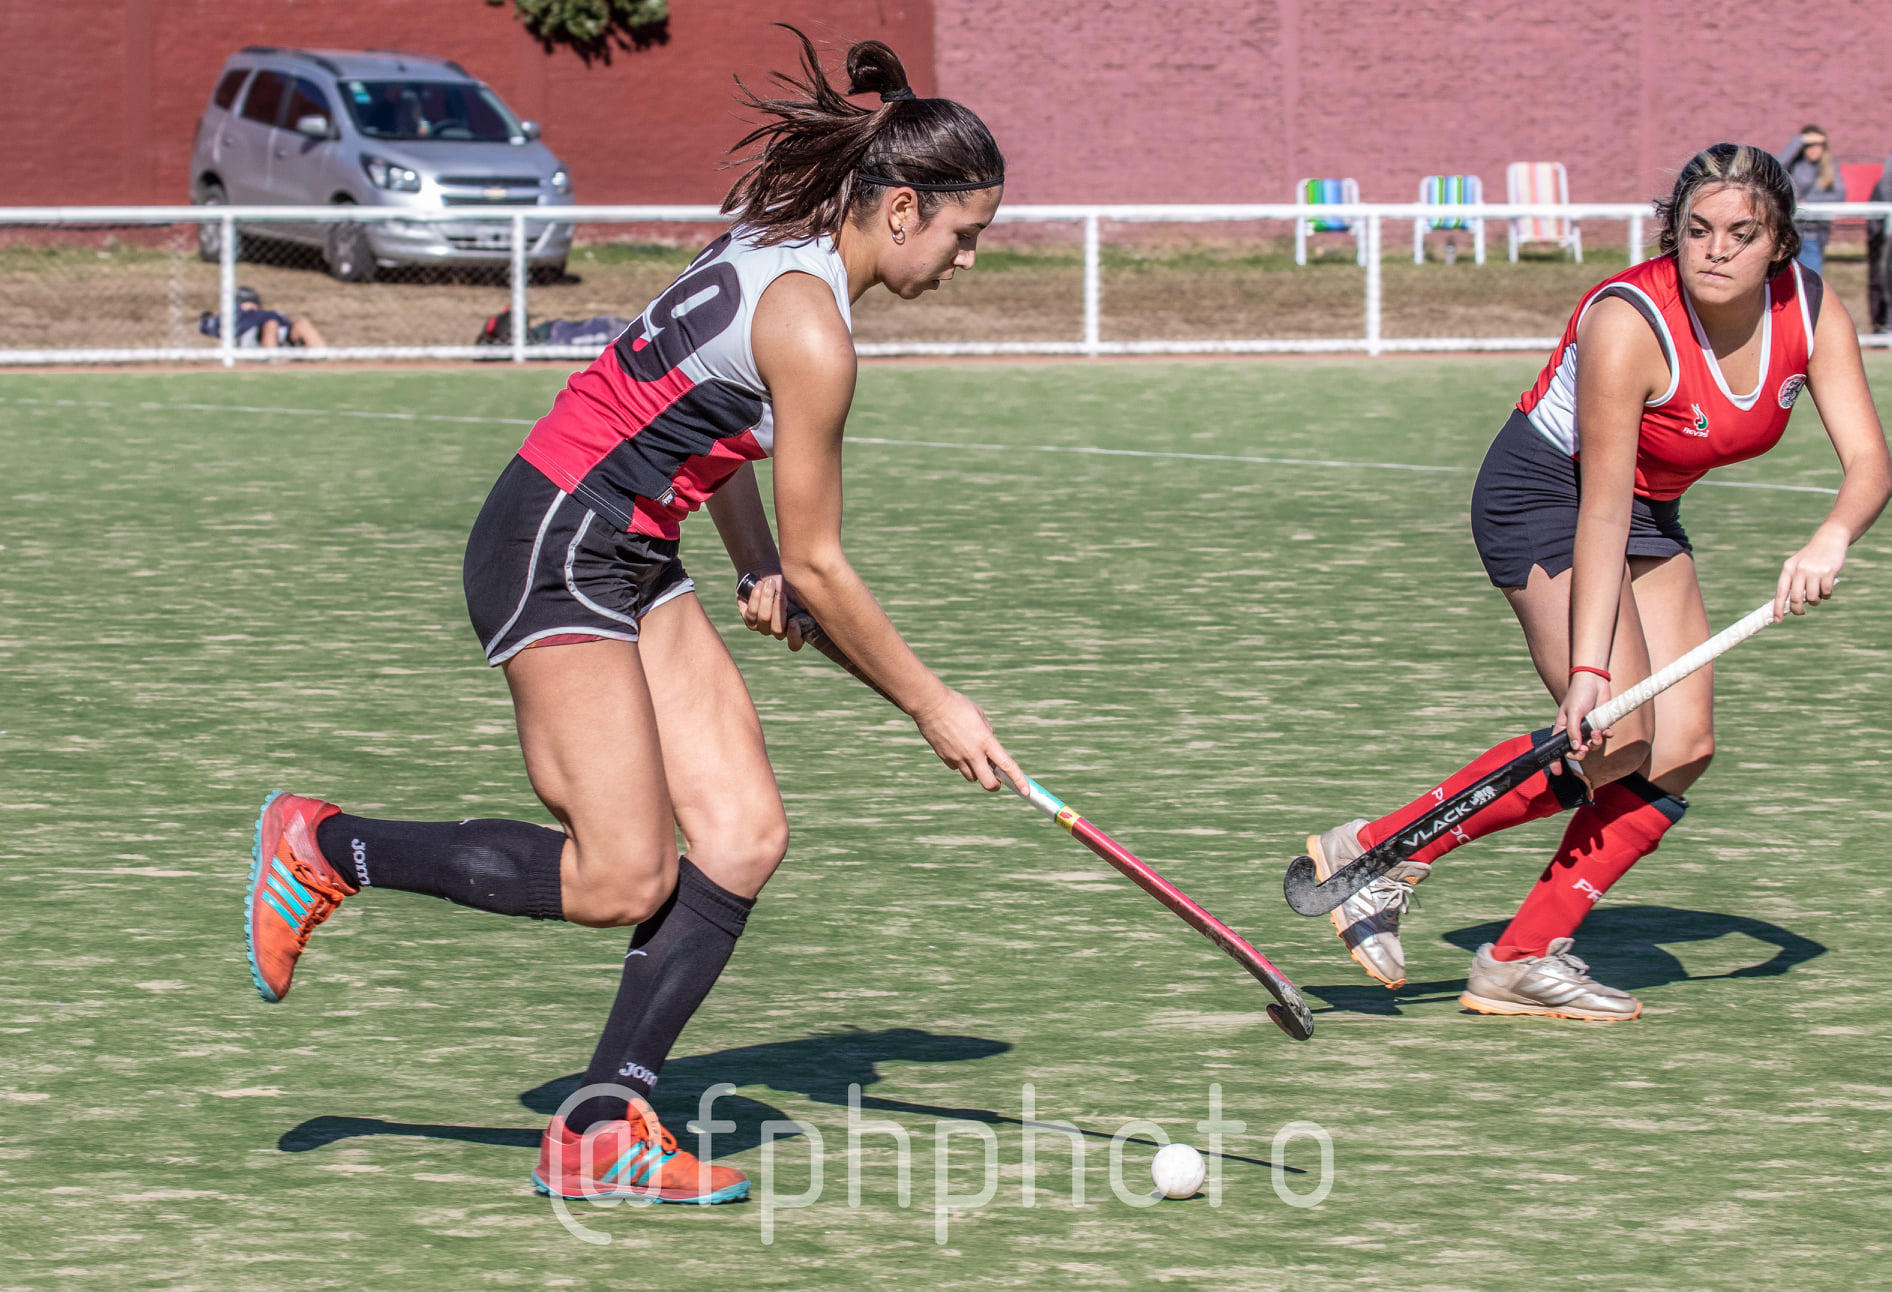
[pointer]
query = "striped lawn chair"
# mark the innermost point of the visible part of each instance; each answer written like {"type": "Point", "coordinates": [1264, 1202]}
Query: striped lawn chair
{"type": "Point", "coordinates": [1541, 182]}
{"type": "Point", "coordinates": [1326, 192]}
{"type": "Point", "coordinates": [1450, 190]}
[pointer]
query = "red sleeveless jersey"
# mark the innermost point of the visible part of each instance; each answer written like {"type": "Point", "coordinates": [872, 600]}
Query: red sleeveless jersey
{"type": "Point", "coordinates": [675, 406]}
{"type": "Point", "coordinates": [1698, 423]}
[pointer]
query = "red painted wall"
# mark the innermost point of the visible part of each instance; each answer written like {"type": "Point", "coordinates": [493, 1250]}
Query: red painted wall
{"type": "Point", "coordinates": [99, 98]}
{"type": "Point", "coordinates": [1233, 100]}
{"type": "Point", "coordinates": [1192, 100]}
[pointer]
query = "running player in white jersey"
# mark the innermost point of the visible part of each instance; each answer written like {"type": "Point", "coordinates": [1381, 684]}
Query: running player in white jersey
{"type": "Point", "coordinates": [634, 722]}
{"type": "Point", "coordinates": [1689, 361]}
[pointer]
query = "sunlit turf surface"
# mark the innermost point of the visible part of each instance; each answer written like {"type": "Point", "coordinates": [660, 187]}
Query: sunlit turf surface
{"type": "Point", "coordinates": [214, 585]}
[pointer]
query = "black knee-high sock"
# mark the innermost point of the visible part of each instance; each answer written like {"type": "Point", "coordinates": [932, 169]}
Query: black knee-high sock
{"type": "Point", "coordinates": [675, 958]}
{"type": "Point", "coordinates": [507, 867]}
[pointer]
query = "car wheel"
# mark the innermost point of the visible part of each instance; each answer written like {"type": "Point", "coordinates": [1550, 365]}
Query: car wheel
{"type": "Point", "coordinates": [350, 258]}
{"type": "Point", "coordinates": [210, 232]}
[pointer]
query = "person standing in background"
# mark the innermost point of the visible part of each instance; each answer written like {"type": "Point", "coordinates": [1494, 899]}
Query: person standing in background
{"type": "Point", "coordinates": [1809, 163]}
{"type": "Point", "coordinates": [1876, 253]}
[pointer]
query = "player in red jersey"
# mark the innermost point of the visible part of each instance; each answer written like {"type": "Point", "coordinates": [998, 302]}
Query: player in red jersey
{"type": "Point", "coordinates": [634, 722]}
{"type": "Point", "coordinates": [1689, 361]}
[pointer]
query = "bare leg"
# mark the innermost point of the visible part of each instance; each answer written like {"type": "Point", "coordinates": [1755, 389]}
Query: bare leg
{"type": "Point", "coordinates": [589, 735]}
{"type": "Point", "coordinates": [721, 787]}
{"type": "Point", "coordinates": [302, 332]}
{"type": "Point", "coordinates": [1543, 610]}
{"type": "Point", "coordinates": [1675, 622]}
{"type": "Point", "coordinates": [624, 742]}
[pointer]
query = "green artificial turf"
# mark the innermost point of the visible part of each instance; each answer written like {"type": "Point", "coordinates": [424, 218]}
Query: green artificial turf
{"type": "Point", "coordinates": [214, 585]}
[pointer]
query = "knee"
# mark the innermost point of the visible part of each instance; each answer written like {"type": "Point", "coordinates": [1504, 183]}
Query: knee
{"type": "Point", "coordinates": [618, 897]}
{"type": "Point", "coordinates": [1684, 766]}
{"type": "Point", "coordinates": [743, 855]}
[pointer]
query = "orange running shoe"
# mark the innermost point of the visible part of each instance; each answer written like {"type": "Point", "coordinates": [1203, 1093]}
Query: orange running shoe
{"type": "Point", "coordinates": [621, 1159]}
{"type": "Point", "coordinates": [292, 889]}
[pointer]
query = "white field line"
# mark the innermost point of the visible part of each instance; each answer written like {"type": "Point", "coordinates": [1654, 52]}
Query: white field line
{"type": "Point", "coordinates": [974, 446]}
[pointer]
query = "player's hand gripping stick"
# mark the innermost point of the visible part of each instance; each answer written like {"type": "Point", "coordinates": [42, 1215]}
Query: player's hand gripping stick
{"type": "Point", "coordinates": [1308, 896]}
{"type": "Point", "coordinates": [1289, 1011]}
{"type": "Point", "coordinates": [812, 635]}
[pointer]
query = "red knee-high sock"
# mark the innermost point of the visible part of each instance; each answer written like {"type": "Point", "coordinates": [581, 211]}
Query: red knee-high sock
{"type": "Point", "coordinates": [1603, 841]}
{"type": "Point", "coordinates": [1540, 796]}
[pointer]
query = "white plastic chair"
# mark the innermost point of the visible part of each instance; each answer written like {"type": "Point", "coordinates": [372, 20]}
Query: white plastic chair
{"type": "Point", "coordinates": [1326, 192]}
{"type": "Point", "coordinates": [1541, 182]}
{"type": "Point", "coordinates": [1450, 190]}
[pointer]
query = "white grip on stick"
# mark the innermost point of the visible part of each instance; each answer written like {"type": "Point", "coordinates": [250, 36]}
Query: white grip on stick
{"type": "Point", "coordinates": [1618, 707]}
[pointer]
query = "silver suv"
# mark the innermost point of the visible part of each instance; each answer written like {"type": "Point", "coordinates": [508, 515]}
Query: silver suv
{"type": "Point", "coordinates": [377, 128]}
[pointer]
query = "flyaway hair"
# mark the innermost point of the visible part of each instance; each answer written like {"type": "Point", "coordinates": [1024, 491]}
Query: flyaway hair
{"type": "Point", "coordinates": [823, 160]}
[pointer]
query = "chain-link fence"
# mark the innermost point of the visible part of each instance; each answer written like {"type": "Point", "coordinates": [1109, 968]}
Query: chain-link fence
{"type": "Point", "coordinates": [229, 284]}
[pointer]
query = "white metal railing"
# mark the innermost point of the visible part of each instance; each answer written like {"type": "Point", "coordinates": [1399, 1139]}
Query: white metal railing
{"type": "Point", "coordinates": [1368, 220]}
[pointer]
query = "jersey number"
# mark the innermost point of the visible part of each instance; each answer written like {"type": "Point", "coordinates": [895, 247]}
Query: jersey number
{"type": "Point", "coordinates": [691, 313]}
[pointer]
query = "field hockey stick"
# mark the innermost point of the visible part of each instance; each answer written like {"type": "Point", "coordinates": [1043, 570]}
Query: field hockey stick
{"type": "Point", "coordinates": [1308, 896]}
{"type": "Point", "coordinates": [1289, 1012]}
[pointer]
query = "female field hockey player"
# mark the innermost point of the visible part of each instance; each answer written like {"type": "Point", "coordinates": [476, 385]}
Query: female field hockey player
{"type": "Point", "coordinates": [634, 722]}
{"type": "Point", "coordinates": [1689, 361]}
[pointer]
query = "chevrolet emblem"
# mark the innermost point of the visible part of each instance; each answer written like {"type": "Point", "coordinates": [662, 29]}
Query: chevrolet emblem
{"type": "Point", "coordinates": [495, 194]}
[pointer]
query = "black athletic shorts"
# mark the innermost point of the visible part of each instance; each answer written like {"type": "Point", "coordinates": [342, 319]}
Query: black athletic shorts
{"type": "Point", "coordinates": [1524, 510]}
{"type": "Point", "coordinates": [540, 566]}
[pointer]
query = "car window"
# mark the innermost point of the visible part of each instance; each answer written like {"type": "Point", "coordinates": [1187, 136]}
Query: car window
{"type": "Point", "coordinates": [264, 99]}
{"type": "Point", "coordinates": [305, 100]}
{"type": "Point", "coordinates": [227, 88]}
{"type": "Point", "coordinates": [450, 110]}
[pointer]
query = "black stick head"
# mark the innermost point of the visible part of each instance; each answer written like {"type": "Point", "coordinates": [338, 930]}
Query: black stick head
{"type": "Point", "coordinates": [1308, 896]}
{"type": "Point", "coordinates": [1293, 1019]}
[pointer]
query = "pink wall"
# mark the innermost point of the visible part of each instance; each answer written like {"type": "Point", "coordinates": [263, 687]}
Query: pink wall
{"type": "Point", "coordinates": [99, 98]}
{"type": "Point", "coordinates": [1194, 100]}
{"type": "Point", "coordinates": [1232, 100]}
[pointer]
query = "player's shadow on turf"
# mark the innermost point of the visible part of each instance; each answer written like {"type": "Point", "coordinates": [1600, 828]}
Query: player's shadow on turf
{"type": "Point", "coordinates": [820, 1069]}
{"type": "Point", "coordinates": [1625, 946]}
{"type": "Point", "coordinates": [1360, 998]}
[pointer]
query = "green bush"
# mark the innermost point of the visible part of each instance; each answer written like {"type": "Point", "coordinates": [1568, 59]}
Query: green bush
{"type": "Point", "coordinates": [593, 28]}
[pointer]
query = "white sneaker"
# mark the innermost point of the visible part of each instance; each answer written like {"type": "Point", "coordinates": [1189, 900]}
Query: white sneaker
{"type": "Point", "coordinates": [1368, 922]}
{"type": "Point", "coordinates": [1555, 985]}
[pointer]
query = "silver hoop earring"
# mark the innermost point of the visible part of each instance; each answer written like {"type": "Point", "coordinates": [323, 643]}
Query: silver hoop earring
{"type": "Point", "coordinates": [899, 235]}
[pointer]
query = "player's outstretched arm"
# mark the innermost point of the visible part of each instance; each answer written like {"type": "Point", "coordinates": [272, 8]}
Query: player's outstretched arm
{"type": "Point", "coordinates": [1837, 379]}
{"type": "Point", "coordinates": [806, 357]}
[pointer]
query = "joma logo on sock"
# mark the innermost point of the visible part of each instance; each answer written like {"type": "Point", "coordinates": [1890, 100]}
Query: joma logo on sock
{"type": "Point", "coordinates": [638, 1072]}
{"type": "Point", "coordinates": [360, 851]}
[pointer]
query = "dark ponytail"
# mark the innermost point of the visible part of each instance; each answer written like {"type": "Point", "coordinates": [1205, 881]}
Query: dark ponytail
{"type": "Point", "coordinates": [824, 161]}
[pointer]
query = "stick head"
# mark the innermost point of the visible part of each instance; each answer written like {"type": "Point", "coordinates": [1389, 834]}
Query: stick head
{"type": "Point", "coordinates": [1297, 1023]}
{"type": "Point", "coordinates": [1308, 896]}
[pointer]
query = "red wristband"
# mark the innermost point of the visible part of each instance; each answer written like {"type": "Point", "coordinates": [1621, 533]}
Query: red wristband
{"type": "Point", "coordinates": [1586, 668]}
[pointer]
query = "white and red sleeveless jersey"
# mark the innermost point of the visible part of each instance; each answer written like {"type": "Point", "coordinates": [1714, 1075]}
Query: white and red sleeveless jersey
{"type": "Point", "coordinates": [1698, 423]}
{"type": "Point", "coordinates": [652, 428]}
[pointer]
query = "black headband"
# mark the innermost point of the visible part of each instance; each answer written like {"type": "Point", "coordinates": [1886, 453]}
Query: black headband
{"type": "Point", "coordinates": [966, 186]}
{"type": "Point", "coordinates": [895, 96]}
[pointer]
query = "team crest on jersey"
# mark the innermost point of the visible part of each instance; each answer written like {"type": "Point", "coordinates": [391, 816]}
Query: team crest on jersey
{"type": "Point", "coordinates": [1700, 425]}
{"type": "Point", "coordinates": [1790, 389]}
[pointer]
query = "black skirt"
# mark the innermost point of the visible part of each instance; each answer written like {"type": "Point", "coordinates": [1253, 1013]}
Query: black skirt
{"type": "Point", "coordinates": [1524, 509]}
